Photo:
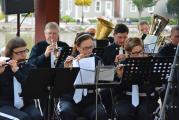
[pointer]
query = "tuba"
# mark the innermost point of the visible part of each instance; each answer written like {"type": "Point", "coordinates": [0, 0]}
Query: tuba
{"type": "Point", "coordinates": [103, 29]}
{"type": "Point", "coordinates": [157, 26]}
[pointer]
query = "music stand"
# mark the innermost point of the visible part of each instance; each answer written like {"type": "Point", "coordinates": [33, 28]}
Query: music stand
{"type": "Point", "coordinates": [64, 80]}
{"type": "Point", "coordinates": [98, 52]}
{"type": "Point", "coordinates": [65, 52]}
{"type": "Point", "coordinates": [43, 83]}
{"type": "Point", "coordinates": [98, 84]}
{"type": "Point", "coordinates": [146, 70]}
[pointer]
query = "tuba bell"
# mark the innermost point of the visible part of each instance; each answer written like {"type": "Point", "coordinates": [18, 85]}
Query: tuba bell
{"type": "Point", "coordinates": [103, 29]}
{"type": "Point", "coordinates": [158, 24]}
{"type": "Point", "coordinates": [157, 27]}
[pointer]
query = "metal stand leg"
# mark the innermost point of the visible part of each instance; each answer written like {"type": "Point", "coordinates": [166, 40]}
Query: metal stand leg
{"type": "Point", "coordinates": [170, 80]}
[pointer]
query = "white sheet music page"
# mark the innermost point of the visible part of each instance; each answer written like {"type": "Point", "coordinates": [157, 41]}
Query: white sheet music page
{"type": "Point", "coordinates": [150, 44]}
{"type": "Point", "coordinates": [86, 74]}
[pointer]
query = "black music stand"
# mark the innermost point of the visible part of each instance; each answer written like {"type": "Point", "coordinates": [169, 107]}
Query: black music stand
{"type": "Point", "coordinates": [49, 83]}
{"type": "Point", "coordinates": [98, 84]}
{"type": "Point", "coordinates": [98, 52]}
{"type": "Point", "coordinates": [147, 70]}
{"type": "Point", "coordinates": [64, 80]}
{"type": "Point", "coordinates": [64, 53]}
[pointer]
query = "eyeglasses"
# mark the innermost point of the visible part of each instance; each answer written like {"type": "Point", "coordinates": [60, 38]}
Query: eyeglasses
{"type": "Point", "coordinates": [87, 48]}
{"type": "Point", "coordinates": [137, 53]}
{"type": "Point", "coordinates": [21, 52]}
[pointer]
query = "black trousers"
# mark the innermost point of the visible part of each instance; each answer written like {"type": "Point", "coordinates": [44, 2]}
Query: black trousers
{"type": "Point", "coordinates": [124, 110]}
{"type": "Point", "coordinates": [25, 113]}
{"type": "Point", "coordinates": [69, 110]}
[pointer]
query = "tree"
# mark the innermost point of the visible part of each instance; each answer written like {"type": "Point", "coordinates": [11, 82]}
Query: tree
{"type": "Point", "coordinates": [83, 3]}
{"type": "Point", "coordinates": [173, 8]}
{"type": "Point", "coordinates": [141, 4]}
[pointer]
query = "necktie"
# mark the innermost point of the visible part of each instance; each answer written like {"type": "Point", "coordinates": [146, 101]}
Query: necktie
{"type": "Point", "coordinates": [18, 101]}
{"type": "Point", "coordinates": [135, 95]}
{"type": "Point", "coordinates": [120, 51]}
{"type": "Point", "coordinates": [78, 95]}
{"type": "Point", "coordinates": [52, 59]}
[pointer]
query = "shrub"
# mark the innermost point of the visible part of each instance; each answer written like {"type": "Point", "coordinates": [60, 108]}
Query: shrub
{"type": "Point", "coordinates": [67, 19]}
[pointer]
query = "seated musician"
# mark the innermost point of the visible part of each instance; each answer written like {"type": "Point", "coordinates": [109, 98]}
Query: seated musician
{"type": "Point", "coordinates": [143, 28]}
{"type": "Point", "coordinates": [169, 49]}
{"type": "Point", "coordinates": [12, 78]}
{"type": "Point", "coordinates": [70, 108]}
{"type": "Point", "coordinates": [139, 109]}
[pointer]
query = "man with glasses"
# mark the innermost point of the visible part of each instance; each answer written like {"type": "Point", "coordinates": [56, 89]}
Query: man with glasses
{"type": "Point", "coordinates": [134, 101]}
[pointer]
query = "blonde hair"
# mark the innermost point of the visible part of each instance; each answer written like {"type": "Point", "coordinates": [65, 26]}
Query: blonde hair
{"type": "Point", "coordinates": [130, 43]}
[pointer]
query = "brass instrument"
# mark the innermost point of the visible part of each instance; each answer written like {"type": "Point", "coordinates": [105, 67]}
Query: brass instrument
{"type": "Point", "coordinates": [157, 26]}
{"type": "Point", "coordinates": [55, 52]}
{"type": "Point", "coordinates": [103, 29]}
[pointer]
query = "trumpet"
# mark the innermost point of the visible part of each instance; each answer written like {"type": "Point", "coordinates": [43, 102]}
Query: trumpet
{"type": "Point", "coordinates": [55, 53]}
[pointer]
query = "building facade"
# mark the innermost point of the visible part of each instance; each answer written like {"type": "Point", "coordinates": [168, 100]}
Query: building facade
{"type": "Point", "coordinates": [110, 9]}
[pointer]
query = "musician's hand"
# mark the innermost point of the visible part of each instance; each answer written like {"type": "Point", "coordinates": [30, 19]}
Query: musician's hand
{"type": "Point", "coordinates": [2, 68]}
{"type": "Point", "coordinates": [14, 66]}
{"type": "Point", "coordinates": [80, 56]}
{"type": "Point", "coordinates": [120, 70]}
{"type": "Point", "coordinates": [68, 61]}
{"type": "Point", "coordinates": [48, 50]}
{"type": "Point", "coordinates": [120, 57]}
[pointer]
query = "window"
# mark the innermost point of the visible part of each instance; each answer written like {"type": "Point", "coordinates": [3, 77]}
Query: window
{"type": "Point", "coordinates": [70, 5]}
{"type": "Point", "coordinates": [133, 8]}
{"type": "Point", "coordinates": [151, 9]}
{"type": "Point", "coordinates": [98, 6]}
{"type": "Point", "coordinates": [86, 8]}
{"type": "Point", "coordinates": [61, 5]}
{"type": "Point", "coordinates": [109, 5]}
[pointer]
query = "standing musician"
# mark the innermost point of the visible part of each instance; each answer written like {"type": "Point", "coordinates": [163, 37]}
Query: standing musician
{"type": "Point", "coordinates": [111, 53]}
{"type": "Point", "coordinates": [12, 78]}
{"type": "Point", "coordinates": [43, 53]}
{"type": "Point", "coordinates": [86, 107]}
{"type": "Point", "coordinates": [143, 108]}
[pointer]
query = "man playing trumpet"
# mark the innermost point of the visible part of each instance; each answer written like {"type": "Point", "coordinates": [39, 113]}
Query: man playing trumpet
{"type": "Point", "coordinates": [44, 52]}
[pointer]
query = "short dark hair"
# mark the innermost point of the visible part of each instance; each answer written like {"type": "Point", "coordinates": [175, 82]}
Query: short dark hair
{"type": "Point", "coordinates": [175, 28]}
{"type": "Point", "coordinates": [121, 28]}
{"type": "Point", "coordinates": [12, 44]}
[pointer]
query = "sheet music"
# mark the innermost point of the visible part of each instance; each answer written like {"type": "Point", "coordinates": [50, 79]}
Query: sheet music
{"type": "Point", "coordinates": [106, 73]}
{"type": "Point", "coordinates": [86, 74]}
{"type": "Point", "coordinates": [3, 59]}
{"type": "Point", "coordinates": [150, 43]}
